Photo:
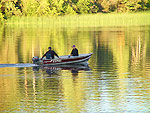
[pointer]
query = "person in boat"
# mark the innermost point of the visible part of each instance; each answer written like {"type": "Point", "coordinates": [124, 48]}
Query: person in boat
{"type": "Point", "coordinates": [50, 54]}
{"type": "Point", "coordinates": [74, 51]}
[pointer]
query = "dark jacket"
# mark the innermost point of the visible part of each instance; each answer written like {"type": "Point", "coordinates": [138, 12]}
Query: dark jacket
{"type": "Point", "coordinates": [50, 54]}
{"type": "Point", "coordinates": [74, 52]}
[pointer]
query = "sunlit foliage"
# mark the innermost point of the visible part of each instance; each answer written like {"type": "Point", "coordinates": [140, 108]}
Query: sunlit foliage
{"type": "Point", "coordinates": [1, 15]}
{"type": "Point", "coordinates": [9, 8]}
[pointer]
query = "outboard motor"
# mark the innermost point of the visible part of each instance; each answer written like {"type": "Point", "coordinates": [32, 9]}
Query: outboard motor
{"type": "Point", "coordinates": [35, 59]}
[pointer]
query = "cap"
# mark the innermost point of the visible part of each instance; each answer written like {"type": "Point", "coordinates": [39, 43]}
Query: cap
{"type": "Point", "coordinates": [73, 46]}
{"type": "Point", "coordinates": [49, 47]}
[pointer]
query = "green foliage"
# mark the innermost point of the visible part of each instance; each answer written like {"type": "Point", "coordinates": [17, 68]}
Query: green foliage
{"type": "Point", "coordinates": [29, 7]}
{"type": "Point", "coordinates": [43, 8]}
{"type": "Point", "coordinates": [148, 4]}
{"type": "Point", "coordinates": [83, 6]}
{"type": "Point", "coordinates": [56, 7]}
{"type": "Point", "coordinates": [69, 10]}
{"type": "Point", "coordinates": [145, 4]}
{"type": "Point", "coordinates": [9, 8]}
{"type": "Point", "coordinates": [1, 15]}
{"type": "Point", "coordinates": [86, 6]}
{"type": "Point", "coordinates": [131, 5]}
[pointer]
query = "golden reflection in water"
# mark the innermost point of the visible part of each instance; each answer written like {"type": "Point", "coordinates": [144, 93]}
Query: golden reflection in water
{"type": "Point", "coordinates": [120, 52]}
{"type": "Point", "coordinates": [139, 57]}
{"type": "Point", "coordinates": [130, 55]}
{"type": "Point", "coordinates": [26, 89]}
{"type": "Point", "coordinates": [73, 91]}
{"type": "Point", "coordinates": [34, 90]}
{"type": "Point", "coordinates": [8, 90]}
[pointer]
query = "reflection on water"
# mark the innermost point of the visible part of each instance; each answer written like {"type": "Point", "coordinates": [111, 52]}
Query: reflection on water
{"type": "Point", "coordinates": [54, 69]}
{"type": "Point", "coordinates": [116, 79]}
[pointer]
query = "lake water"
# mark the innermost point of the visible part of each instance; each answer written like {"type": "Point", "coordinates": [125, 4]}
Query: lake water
{"type": "Point", "coordinates": [117, 79]}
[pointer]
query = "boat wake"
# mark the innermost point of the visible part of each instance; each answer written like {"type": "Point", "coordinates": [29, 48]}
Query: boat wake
{"type": "Point", "coordinates": [18, 65]}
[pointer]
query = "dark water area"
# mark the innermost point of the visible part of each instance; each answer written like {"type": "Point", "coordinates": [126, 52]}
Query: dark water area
{"type": "Point", "coordinates": [116, 79]}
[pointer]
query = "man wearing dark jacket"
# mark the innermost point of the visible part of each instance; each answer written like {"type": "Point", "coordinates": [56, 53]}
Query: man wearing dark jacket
{"type": "Point", "coordinates": [50, 54]}
{"type": "Point", "coordinates": [74, 51]}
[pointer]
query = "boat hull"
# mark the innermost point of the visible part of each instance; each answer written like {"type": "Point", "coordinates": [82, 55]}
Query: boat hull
{"type": "Point", "coordinates": [63, 60]}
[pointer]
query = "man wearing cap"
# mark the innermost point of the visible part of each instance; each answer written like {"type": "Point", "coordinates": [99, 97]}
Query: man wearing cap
{"type": "Point", "coordinates": [49, 54]}
{"type": "Point", "coordinates": [74, 51]}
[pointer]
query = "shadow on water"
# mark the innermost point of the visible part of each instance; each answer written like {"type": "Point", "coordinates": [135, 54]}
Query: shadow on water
{"type": "Point", "coordinates": [55, 69]}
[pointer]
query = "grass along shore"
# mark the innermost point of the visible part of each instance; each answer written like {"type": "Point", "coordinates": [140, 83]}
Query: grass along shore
{"type": "Point", "coordinates": [88, 20]}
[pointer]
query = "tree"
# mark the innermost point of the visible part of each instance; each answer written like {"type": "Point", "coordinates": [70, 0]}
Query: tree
{"type": "Point", "coordinates": [144, 4]}
{"type": "Point", "coordinates": [9, 8]}
{"type": "Point", "coordinates": [132, 5]}
{"type": "Point", "coordinates": [1, 15]}
{"type": "Point", "coordinates": [86, 6]}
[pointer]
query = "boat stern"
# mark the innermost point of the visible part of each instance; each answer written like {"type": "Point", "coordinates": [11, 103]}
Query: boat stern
{"type": "Point", "coordinates": [35, 59]}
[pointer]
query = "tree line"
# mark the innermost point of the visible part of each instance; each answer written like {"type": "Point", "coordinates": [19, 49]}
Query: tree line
{"type": "Point", "coordinates": [9, 8]}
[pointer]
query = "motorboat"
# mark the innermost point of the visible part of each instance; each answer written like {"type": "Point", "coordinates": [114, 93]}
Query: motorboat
{"type": "Point", "coordinates": [63, 60]}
